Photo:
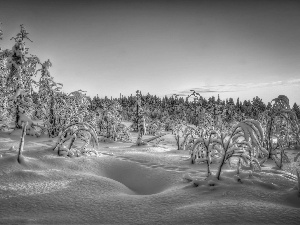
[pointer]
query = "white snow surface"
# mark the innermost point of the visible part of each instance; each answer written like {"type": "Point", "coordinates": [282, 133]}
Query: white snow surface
{"type": "Point", "coordinates": [128, 184]}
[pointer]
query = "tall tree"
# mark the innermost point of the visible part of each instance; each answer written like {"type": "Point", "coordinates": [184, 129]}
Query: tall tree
{"type": "Point", "coordinates": [18, 81]}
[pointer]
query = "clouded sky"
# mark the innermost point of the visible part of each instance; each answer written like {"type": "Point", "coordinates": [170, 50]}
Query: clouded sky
{"type": "Point", "coordinates": [233, 48]}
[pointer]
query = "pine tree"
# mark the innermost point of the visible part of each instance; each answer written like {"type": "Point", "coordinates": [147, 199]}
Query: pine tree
{"type": "Point", "coordinates": [19, 80]}
{"type": "Point", "coordinates": [296, 109]}
{"type": "Point", "coordinates": [218, 100]}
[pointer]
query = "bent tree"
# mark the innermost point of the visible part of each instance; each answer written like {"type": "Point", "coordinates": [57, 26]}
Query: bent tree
{"type": "Point", "coordinates": [280, 121]}
{"type": "Point", "coordinates": [237, 142]}
{"type": "Point", "coordinates": [240, 141]}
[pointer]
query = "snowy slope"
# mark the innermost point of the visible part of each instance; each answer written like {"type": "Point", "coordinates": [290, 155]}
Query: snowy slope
{"type": "Point", "coordinates": [127, 184]}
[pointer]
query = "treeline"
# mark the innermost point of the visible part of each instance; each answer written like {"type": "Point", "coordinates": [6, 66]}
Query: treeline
{"type": "Point", "coordinates": [24, 100]}
{"type": "Point", "coordinates": [190, 109]}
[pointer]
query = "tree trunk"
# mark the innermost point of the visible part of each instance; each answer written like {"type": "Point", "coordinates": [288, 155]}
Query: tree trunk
{"type": "Point", "coordinates": [208, 161]}
{"type": "Point", "coordinates": [137, 117]}
{"type": "Point", "coordinates": [281, 158]}
{"type": "Point", "coordinates": [17, 118]}
{"type": "Point", "coordinates": [52, 132]}
{"type": "Point", "coordinates": [208, 168]}
{"type": "Point", "coordinates": [21, 146]}
{"type": "Point", "coordinates": [220, 167]}
{"type": "Point", "coordinates": [270, 144]}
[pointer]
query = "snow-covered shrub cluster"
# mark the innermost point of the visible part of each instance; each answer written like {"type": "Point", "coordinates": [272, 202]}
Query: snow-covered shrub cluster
{"type": "Point", "coordinates": [84, 133]}
{"type": "Point", "coordinates": [108, 122]}
{"type": "Point", "coordinates": [215, 146]}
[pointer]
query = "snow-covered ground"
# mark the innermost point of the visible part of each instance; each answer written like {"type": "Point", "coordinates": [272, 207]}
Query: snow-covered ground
{"type": "Point", "coordinates": [126, 184]}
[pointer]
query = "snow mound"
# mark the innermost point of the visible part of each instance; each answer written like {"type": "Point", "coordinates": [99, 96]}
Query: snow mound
{"type": "Point", "coordinates": [137, 185]}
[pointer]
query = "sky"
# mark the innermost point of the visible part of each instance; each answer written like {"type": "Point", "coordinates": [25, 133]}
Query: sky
{"type": "Point", "coordinates": [232, 48]}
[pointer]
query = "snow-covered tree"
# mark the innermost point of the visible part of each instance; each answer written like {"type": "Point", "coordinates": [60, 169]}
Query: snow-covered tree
{"type": "Point", "coordinates": [278, 122]}
{"type": "Point", "coordinates": [17, 71]}
{"type": "Point", "coordinates": [239, 142]}
{"type": "Point", "coordinates": [139, 121]}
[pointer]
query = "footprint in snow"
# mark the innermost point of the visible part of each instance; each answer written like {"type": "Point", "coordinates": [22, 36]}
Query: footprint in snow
{"type": "Point", "coordinates": [153, 165]}
{"type": "Point", "coordinates": [156, 166]}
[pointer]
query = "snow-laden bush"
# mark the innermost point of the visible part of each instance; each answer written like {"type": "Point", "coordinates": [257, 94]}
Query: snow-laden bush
{"type": "Point", "coordinates": [190, 134]}
{"type": "Point", "coordinates": [216, 146]}
{"type": "Point", "coordinates": [108, 122]}
{"type": "Point", "coordinates": [83, 132]}
{"type": "Point", "coordinates": [279, 126]}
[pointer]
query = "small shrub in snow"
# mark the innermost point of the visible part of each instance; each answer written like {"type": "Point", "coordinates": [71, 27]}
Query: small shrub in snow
{"type": "Point", "coordinates": [157, 142]}
{"type": "Point", "coordinates": [83, 131]}
{"type": "Point", "coordinates": [178, 131]}
{"type": "Point", "coordinates": [12, 149]}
